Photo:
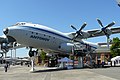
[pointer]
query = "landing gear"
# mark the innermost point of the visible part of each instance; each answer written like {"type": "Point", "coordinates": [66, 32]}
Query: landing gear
{"type": "Point", "coordinates": [1, 55]}
{"type": "Point", "coordinates": [32, 54]}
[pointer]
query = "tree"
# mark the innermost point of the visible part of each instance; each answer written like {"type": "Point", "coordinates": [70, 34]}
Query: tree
{"type": "Point", "coordinates": [43, 56]}
{"type": "Point", "coordinates": [115, 48]}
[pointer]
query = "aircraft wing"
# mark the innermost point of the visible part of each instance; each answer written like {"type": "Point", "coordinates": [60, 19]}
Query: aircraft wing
{"type": "Point", "coordinates": [93, 33]}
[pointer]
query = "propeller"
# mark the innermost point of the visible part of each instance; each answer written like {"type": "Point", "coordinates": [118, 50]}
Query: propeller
{"type": "Point", "coordinates": [78, 32]}
{"type": "Point", "coordinates": [7, 41]}
{"type": "Point", "coordinates": [4, 47]}
{"type": "Point", "coordinates": [105, 30]}
{"type": "Point", "coordinates": [4, 44]}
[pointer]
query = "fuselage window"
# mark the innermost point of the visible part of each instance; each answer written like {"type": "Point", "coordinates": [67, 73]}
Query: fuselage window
{"type": "Point", "coordinates": [59, 47]}
{"type": "Point", "coordinates": [44, 35]}
{"type": "Point", "coordinates": [36, 33]}
{"type": "Point", "coordinates": [32, 32]}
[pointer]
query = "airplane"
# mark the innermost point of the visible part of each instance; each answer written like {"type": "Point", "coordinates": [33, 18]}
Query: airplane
{"type": "Point", "coordinates": [42, 37]}
{"type": "Point", "coordinates": [118, 2]}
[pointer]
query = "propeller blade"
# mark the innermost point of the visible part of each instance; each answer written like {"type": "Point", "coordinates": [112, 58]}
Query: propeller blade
{"type": "Point", "coordinates": [100, 22]}
{"type": "Point", "coordinates": [104, 30]}
{"type": "Point", "coordinates": [83, 26]}
{"type": "Point", "coordinates": [75, 37]}
{"type": "Point", "coordinates": [73, 27]}
{"type": "Point", "coordinates": [78, 32]}
{"type": "Point", "coordinates": [111, 24]}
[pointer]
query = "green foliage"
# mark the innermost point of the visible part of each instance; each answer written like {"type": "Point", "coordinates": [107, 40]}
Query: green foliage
{"type": "Point", "coordinates": [71, 57]}
{"type": "Point", "coordinates": [43, 56]}
{"type": "Point", "coordinates": [115, 48]}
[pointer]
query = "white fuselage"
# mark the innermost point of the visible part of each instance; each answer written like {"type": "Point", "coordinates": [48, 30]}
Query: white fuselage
{"type": "Point", "coordinates": [38, 36]}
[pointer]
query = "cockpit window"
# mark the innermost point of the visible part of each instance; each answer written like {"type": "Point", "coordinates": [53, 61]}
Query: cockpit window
{"type": "Point", "coordinates": [19, 24]}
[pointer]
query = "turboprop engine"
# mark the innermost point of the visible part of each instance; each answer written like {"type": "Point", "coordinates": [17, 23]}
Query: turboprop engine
{"type": "Point", "coordinates": [67, 47]}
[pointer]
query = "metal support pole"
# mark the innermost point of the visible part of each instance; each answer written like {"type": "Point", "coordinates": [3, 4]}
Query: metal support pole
{"type": "Point", "coordinates": [32, 64]}
{"type": "Point", "coordinates": [80, 62]}
{"type": "Point", "coordinates": [0, 47]}
{"type": "Point", "coordinates": [15, 53]}
{"type": "Point", "coordinates": [11, 53]}
{"type": "Point", "coordinates": [5, 54]}
{"type": "Point", "coordinates": [11, 57]}
{"type": "Point", "coordinates": [73, 55]}
{"type": "Point", "coordinates": [108, 43]}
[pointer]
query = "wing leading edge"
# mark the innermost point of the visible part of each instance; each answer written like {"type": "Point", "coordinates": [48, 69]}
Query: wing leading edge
{"type": "Point", "coordinates": [94, 33]}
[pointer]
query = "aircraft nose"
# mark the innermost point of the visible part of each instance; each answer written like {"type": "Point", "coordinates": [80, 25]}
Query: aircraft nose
{"type": "Point", "coordinates": [5, 31]}
{"type": "Point", "coordinates": [8, 35]}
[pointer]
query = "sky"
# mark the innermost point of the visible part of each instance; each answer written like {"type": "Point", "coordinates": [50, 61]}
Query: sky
{"type": "Point", "coordinates": [59, 15]}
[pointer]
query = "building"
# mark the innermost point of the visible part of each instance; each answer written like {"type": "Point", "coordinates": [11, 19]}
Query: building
{"type": "Point", "coordinates": [102, 54]}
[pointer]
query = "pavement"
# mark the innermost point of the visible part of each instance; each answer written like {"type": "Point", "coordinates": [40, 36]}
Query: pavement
{"type": "Point", "coordinates": [44, 73]}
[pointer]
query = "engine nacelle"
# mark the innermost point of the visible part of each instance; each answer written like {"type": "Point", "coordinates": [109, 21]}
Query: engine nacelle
{"type": "Point", "coordinates": [85, 35]}
{"type": "Point", "coordinates": [67, 47]}
{"type": "Point", "coordinates": [4, 47]}
{"type": "Point", "coordinates": [108, 31]}
{"type": "Point", "coordinates": [118, 2]}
